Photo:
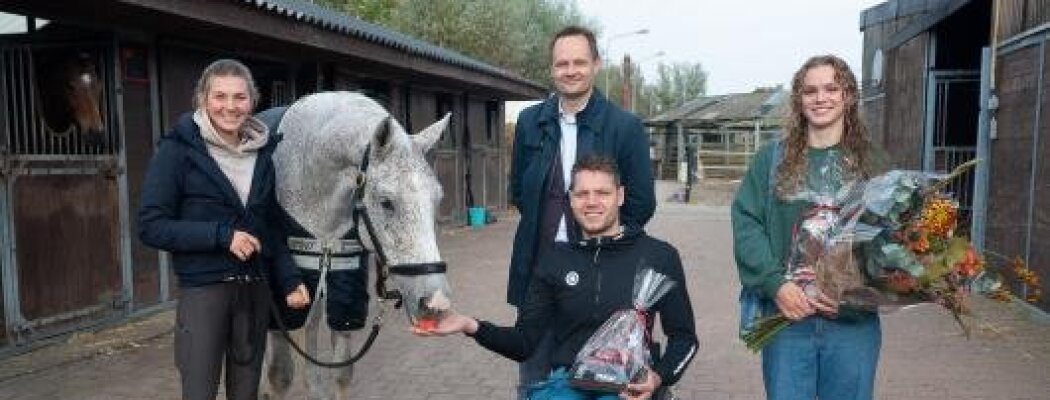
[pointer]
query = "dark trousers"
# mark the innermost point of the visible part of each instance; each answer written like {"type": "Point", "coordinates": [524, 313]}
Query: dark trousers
{"type": "Point", "coordinates": [216, 323]}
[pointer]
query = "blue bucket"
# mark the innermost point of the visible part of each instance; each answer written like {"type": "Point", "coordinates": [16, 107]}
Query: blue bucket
{"type": "Point", "coordinates": [476, 216]}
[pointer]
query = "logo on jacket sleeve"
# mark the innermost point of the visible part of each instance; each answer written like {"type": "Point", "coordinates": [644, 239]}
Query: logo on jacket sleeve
{"type": "Point", "coordinates": [572, 278]}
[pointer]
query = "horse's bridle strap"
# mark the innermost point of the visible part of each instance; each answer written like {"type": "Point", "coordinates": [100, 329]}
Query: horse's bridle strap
{"type": "Point", "coordinates": [418, 269]}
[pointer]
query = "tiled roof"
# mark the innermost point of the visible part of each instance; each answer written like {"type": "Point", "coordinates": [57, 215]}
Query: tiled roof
{"type": "Point", "coordinates": [688, 108]}
{"type": "Point", "coordinates": [765, 105]}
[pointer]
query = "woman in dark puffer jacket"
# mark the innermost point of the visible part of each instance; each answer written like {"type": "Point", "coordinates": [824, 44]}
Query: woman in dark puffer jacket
{"type": "Point", "coordinates": [208, 199]}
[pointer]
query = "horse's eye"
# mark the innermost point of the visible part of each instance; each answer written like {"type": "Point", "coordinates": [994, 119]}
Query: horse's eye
{"type": "Point", "coordinates": [387, 205]}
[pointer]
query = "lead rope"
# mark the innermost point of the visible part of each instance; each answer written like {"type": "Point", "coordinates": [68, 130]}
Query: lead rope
{"type": "Point", "coordinates": [324, 264]}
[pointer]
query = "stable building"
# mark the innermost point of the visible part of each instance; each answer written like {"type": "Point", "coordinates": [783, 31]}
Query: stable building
{"type": "Point", "coordinates": [69, 185]}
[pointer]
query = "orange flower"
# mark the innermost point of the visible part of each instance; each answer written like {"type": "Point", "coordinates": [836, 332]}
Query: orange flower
{"type": "Point", "coordinates": [915, 238]}
{"type": "Point", "coordinates": [971, 264]}
{"type": "Point", "coordinates": [939, 216]}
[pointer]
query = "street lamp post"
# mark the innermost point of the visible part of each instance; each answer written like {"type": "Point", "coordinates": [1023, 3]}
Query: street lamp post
{"type": "Point", "coordinates": [608, 47]}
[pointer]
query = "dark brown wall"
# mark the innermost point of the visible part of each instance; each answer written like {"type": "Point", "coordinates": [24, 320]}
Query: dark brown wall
{"type": "Point", "coordinates": [455, 201]}
{"type": "Point", "coordinates": [903, 133]}
{"type": "Point", "coordinates": [422, 108]}
{"type": "Point", "coordinates": [1039, 259]}
{"type": "Point", "coordinates": [901, 75]}
{"type": "Point", "coordinates": [138, 140]}
{"type": "Point", "coordinates": [426, 106]}
{"type": "Point", "coordinates": [479, 148]}
{"type": "Point", "coordinates": [1017, 16]}
{"type": "Point", "coordinates": [1011, 162]}
{"type": "Point", "coordinates": [876, 37]}
{"type": "Point", "coordinates": [66, 229]}
{"type": "Point", "coordinates": [179, 69]}
{"type": "Point", "coordinates": [497, 158]}
{"type": "Point", "coordinates": [873, 111]}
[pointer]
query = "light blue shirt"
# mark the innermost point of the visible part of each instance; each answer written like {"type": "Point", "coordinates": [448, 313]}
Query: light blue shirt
{"type": "Point", "coordinates": [567, 122]}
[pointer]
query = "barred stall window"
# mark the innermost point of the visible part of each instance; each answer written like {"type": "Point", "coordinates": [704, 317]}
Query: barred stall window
{"type": "Point", "coordinates": [56, 101]}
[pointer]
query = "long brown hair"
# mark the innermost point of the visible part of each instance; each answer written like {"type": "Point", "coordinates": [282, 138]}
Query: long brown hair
{"type": "Point", "coordinates": [855, 145]}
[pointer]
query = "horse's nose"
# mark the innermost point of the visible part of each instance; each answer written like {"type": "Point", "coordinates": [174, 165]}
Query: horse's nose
{"type": "Point", "coordinates": [437, 301]}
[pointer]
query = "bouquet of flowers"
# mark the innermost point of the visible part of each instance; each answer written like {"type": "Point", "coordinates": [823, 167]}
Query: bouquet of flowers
{"type": "Point", "coordinates": [904, 223]}
{"type": "Point", "coordinates": [617, 353]}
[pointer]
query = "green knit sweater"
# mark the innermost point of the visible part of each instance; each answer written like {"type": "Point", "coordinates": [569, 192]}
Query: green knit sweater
{"type": "Point", "coordinates": [763, 223]}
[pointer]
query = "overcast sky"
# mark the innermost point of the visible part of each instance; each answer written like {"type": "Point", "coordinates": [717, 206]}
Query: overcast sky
{"type": "Point", "coordinates": [742, 44]}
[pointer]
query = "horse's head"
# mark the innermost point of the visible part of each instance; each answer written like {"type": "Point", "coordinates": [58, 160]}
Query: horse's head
{"type": "Point", "coordinates": [70, 93]}
{"type": "Point", "coordinates": [323, 150]}
{"type": "Point", "coordinates": [84, 92]}
{"type": "Point", "coordinates": [402, 197]}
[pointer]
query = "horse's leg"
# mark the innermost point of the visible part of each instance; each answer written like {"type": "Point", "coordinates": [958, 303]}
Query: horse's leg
{"type": "Point", "coordinates": [279, 367]}
{"type": "Point", "coordinates": [343, 376]}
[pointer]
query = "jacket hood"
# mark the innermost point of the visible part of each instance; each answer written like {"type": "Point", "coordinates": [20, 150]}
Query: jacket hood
{"type": "Point", "coordinates": [253, 134]}
{"type": "Point", "coordinates": [187, 131]}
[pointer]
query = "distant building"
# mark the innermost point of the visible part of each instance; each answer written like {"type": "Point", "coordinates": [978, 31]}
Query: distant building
{"type": "Point", "coordinates": [723, 131]}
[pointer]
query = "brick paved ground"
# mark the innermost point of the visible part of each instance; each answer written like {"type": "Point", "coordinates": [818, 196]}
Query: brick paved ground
{"type": "Point", "coordinates": [924, 356]}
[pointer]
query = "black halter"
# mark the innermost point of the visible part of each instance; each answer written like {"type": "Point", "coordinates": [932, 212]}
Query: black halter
{"type": "Point", "coordinates": [383, 267]}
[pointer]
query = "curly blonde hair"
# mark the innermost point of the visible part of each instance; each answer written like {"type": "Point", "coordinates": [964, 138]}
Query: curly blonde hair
{"type": "Point", "coordinates": [856, 146]}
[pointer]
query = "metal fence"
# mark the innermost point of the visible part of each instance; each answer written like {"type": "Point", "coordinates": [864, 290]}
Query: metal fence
{"type": "Point", "coordinates": [716, 153]}
{"type": "Point", "coordinates": [727, 153]}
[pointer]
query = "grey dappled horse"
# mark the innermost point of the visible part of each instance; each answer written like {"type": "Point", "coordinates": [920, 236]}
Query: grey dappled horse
{"type": "Point", "coordinates": [325, 139]}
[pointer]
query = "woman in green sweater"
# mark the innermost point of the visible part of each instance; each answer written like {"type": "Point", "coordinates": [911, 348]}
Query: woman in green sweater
{"type": "Point", "coordinates": [818, 355]}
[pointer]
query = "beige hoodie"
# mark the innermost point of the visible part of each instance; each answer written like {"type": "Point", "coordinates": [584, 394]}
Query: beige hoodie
{"type": "Point", "coordinates": [236, 162]}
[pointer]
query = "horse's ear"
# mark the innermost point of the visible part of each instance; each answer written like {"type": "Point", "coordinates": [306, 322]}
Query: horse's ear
{"type": "Point", "coordinates": [382, 137]}
{"type": "Point", "coordinates": [426, 138]}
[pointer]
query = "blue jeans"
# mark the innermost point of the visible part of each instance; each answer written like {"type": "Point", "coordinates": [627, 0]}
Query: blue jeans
{"type": "Point", "coordinates": [535, 369]}
{"type": "Point", "coordinates": [557, 387]}
{"type": "Point", "coordinates": [823, 358]}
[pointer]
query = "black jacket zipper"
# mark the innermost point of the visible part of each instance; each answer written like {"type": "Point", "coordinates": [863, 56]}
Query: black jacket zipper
{"type": "Point", "coordinates": [598, 273]}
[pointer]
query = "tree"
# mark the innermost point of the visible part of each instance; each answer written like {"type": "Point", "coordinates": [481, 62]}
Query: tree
{"type": "Point", "coordinates": [511, 34]}
{"type": "Point", "coordinates": [678, 83]}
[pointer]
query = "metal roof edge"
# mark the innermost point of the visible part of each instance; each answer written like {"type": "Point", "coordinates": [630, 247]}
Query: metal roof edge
{"type": "Point", "coordinates": [319, 16]}
{"type": "Point", "coordinates": [893, 9]}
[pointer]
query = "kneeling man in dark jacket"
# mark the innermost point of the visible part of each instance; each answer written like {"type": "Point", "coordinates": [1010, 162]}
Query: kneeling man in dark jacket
{"type": "Point", "coordinates": [578, 286]}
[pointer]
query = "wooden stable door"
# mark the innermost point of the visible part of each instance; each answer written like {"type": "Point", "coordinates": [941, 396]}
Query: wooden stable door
{"type": "Point", "coordinates": [60, 200]}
